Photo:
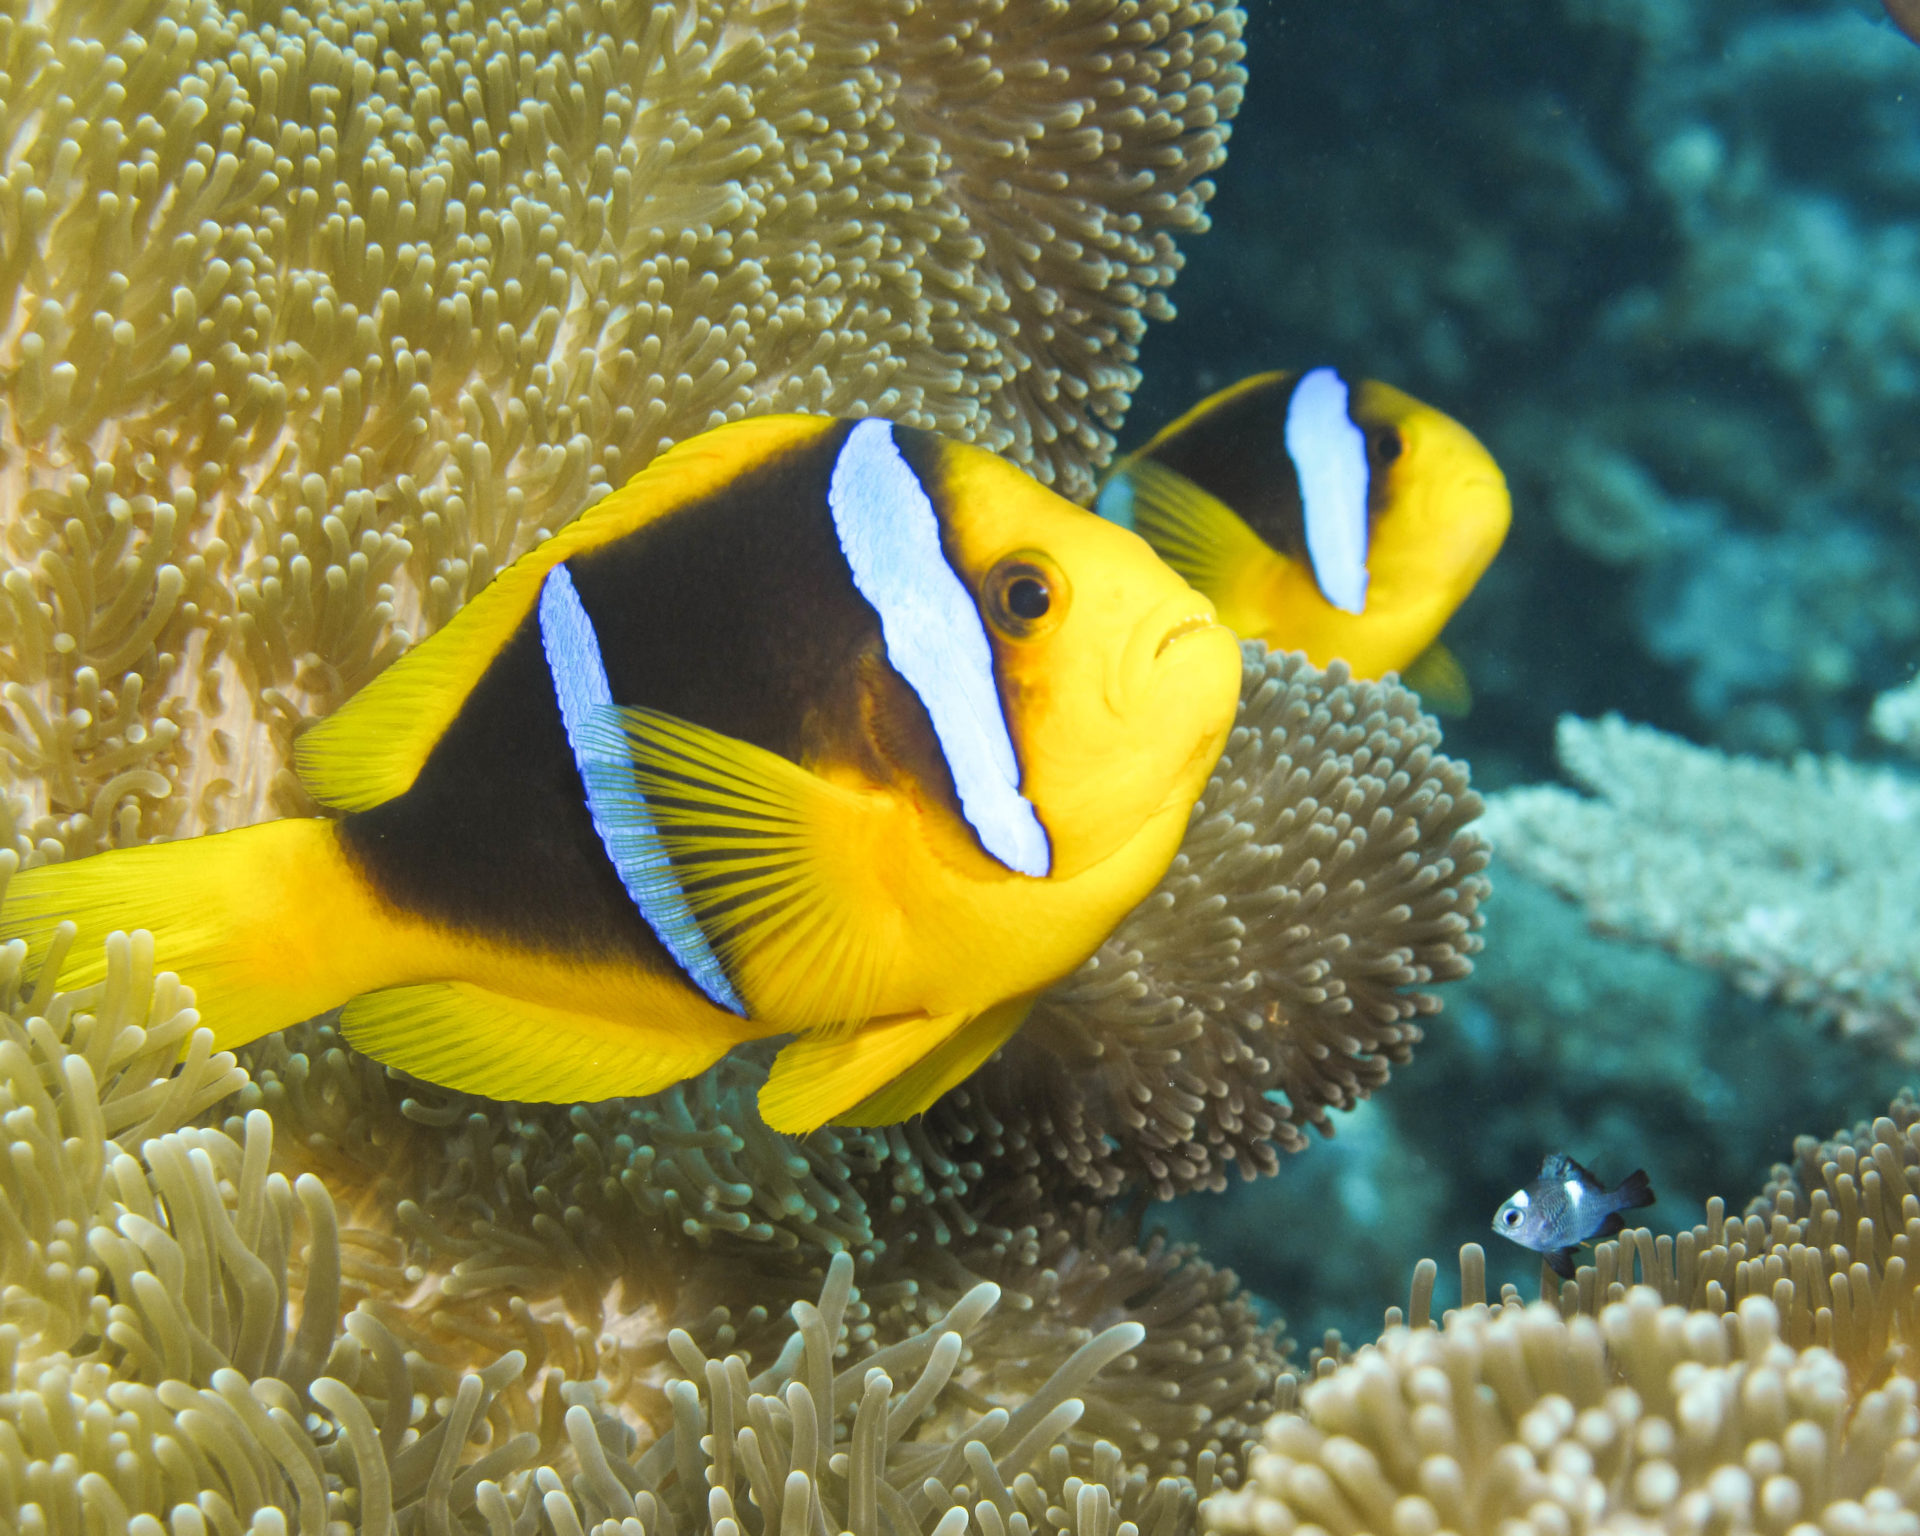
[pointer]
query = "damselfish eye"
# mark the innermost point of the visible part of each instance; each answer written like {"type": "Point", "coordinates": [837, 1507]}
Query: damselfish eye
{"type": "Point", "coordinates": [1510, 1217]}
{"type": "Point", "coordinates": [1386, 446]}
{"type": "Point", "coordinates": [1024, 596]}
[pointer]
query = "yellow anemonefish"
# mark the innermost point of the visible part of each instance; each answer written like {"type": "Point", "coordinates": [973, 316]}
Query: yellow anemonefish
{"type": "Point", "coordinates": [1341, 520]}
{"type": "Point", "coordinates": [825, 727]}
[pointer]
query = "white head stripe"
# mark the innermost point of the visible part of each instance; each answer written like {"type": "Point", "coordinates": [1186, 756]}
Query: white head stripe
{"type": "Point", "coordinates": [619, 811]}
{"type": "Point", "coordinates": [934, 637]}
{"type": "Point", "coordinates": [1519, 1198]}
{"type": "Point", "coordinates": [1329, 455]}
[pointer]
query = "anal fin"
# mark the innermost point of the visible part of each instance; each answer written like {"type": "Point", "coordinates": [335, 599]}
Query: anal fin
{"type": "Point", "coordinates": [465, 1037]}
{"type": "Point", "coordinates": [885, 1071]}
{"type": "Point", "coordinates": [1437, 676]}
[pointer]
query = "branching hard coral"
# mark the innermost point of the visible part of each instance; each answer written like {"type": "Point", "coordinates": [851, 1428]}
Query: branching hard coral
{"type": "Point", "coordinates": [1649, 1417]}
{"type": "Point", "coordinates": [1798, 879]}
{"type": "Point", "coordinates": [1896, 717]}
{"type": "Point", "coordinates": [172, 1348]}
{"type": "Point", "coordinates": [1328, 873]}
{"type": "Point", "coordinates": [313, 322]}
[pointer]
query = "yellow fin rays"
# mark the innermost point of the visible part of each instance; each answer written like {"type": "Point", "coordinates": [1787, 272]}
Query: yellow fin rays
{"type": "Point", "coordinates": [781, 868]}
{"type": "Point", "coordinates": [1195, 532]}
{"type": "Point", "coordinates": [887, 1071]}
{"type": "Point", "coordinates": [465, 1037]}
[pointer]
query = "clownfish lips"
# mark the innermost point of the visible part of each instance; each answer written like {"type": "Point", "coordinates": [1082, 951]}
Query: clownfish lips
{"type": "Point", "coordinates": [1192, 624]}
{"type": "Point", "coordinates": [1166, 645]}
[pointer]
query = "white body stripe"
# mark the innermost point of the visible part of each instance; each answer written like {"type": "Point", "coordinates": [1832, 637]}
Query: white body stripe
{"type": "Point", "coordinates": [614, 801]}
{"type": "Point", "coordinates": [934, 636]}
{"type": "Point", "coordinates": [1572, 1187]}
{"type": "Point", "coordinates": [1329, 455]}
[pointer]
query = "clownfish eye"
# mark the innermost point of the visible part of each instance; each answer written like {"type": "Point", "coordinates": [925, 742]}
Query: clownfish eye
{"type": "Point", "coordinates": [1028, 597]}
{"type": "Point", "coordinates": [1386, 445]}
{"type": "Point", "coordinates": [1024, 596]}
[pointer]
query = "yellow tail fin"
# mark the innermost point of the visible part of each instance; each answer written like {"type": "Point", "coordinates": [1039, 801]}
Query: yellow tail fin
{"type": "Point", "coordinates": [267, 924]}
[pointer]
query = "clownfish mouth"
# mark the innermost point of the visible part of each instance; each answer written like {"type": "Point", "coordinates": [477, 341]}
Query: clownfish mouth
{"type": "Point", "coordinates": [1192, 624]}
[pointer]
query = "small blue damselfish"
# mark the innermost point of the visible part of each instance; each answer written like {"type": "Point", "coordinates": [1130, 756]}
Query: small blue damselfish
{"type": "Point", "coordinates": [1567, 1206]}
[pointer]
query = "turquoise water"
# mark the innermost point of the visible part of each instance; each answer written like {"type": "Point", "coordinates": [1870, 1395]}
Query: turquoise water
{"type": "Point", "coordinates": [1664, 259]}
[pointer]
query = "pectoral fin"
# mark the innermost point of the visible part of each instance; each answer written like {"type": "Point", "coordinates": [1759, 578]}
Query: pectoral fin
{"type": "Point", "coordinates": [780, 867]}
{"type": "Point", "coordinates": [884, 1072]}
{"type": "Point", "coordinates": [1437, 676]}
{"type": "Point", "coordinates": [1195, 532]}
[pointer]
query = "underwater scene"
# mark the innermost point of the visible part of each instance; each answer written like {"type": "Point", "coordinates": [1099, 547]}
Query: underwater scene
{"type": "Point", "coordinates": [959, 767]}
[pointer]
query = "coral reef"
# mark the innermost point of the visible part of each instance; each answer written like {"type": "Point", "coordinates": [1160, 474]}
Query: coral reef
{"type": "Point", "coordinates": [1762, 1372]}
{"type": "Point", "coordinates": [1515, 1419]}
{"type": "Point", "coordinates": [1562, 1039]}
{"type": "Point", "coordinates": [474, 1227]}
{"type": "Point", "coordinates": [1895, 717]}
{"type": "Point", "coordinates": [315, 320]}
{"type": "Point", "coordinates": [1788, 877]}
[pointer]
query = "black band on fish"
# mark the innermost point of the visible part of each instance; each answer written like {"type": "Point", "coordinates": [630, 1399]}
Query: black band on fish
{"type": "Point", "coordinates": [934, 637]}
{"type": "Point", "coordinates": [620, 813]}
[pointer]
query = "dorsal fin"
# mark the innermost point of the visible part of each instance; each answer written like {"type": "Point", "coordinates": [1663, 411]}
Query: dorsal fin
{"type": "Point", "coordinates": [372, 747]}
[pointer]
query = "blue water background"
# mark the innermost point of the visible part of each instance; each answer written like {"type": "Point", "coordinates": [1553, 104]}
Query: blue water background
{"type": "Point", "coordinates": [1663, 256]}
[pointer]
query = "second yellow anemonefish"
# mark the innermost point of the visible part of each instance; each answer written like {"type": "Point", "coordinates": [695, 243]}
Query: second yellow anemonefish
{"type": "Point", "coordinates": [1343, 520]}
{"type": "Point", "coordinates": [820, 727]}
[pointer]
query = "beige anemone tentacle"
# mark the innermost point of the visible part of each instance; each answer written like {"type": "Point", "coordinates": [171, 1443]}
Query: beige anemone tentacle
{"type": "Point", "coordinates": [309, 324]}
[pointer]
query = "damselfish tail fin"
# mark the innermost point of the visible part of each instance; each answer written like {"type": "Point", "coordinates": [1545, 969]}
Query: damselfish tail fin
{"type": "Point", "coordinates": [267, 924]}
{"type": "Point", "coordinates": [1633, 1192]}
